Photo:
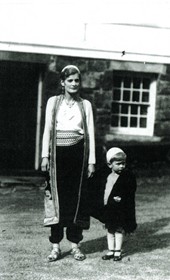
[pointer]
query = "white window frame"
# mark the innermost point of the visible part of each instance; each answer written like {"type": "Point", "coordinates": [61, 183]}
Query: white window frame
{"type": "Point", "coordinates": [149, 130]}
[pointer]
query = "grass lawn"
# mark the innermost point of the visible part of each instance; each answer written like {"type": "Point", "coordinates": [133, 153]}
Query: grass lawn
{"type": "Point", "coordinates": [24, 242]}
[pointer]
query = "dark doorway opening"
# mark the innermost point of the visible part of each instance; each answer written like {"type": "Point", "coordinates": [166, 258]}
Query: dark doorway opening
{"type": "Point", "coordinates": [18, 111]}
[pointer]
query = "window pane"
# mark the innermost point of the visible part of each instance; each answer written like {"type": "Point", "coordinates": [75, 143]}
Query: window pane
{"type": "Point", "coordinates": [115, 108]}
{"type": "Point", "coordinates": [133, 122]}
{"type": "Point", "coordinates": [136, 82]}
{"type": "Point", "coordinates": [146, 83]}
{"type": "Point", "coordinates": [126, 95]}
{"type": "Point", "coordinates": [117, 81]}
{"type": "Point", "coordinates": [136, 96]}
{"type": "Point", "coordinates": [143, 110]}
{"type": "Point", "coordinates": [134, 109]}
{"type": "Point", "coordinates": [143, 122]}
{"type": "Point", "coordinates": [127, 82]}
{"type": "Point", "coordinates": [124, 108]}
{"type": "Point", "coordinates": [145, 96]}
{"type": "Point", "coordinates": [114, 121]}
{"type": "Point", "coordinates": [124, 122]}
{"type": "Point", "coordinates": [116, 94]}
{"type": "Point", "coordinates": [131, 101]}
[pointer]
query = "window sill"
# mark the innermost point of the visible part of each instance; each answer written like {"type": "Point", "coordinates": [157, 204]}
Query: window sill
{"type": "Point", "coordinates": [132, 139]}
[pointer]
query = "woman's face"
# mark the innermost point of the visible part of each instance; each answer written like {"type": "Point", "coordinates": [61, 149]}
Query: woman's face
{"type": "Point", "coordinates": [71, 84]}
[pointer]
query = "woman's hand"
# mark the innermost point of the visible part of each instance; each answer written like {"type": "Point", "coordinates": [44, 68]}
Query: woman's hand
{"type": "Point", "coordinates": [91, 170]}
{"type": "Point", "coordinates": [45, 164]}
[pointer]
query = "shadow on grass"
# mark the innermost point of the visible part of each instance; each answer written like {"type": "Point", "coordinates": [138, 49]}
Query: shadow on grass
{"type": "Point", "coordinates": [146, 239]}
{"type": "Point", "coordinates": [95, 245]}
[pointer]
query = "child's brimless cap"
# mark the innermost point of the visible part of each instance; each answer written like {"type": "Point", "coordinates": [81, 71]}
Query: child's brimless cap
{"type": "Point", "coordinates": [111, 154]}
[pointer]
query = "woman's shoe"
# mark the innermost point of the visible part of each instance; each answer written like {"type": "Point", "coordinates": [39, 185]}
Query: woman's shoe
{"type": "Point", "coordinates": [118, 257]}
{"type": "Point", "coordinates": [55, 255]}
{"type": "Point", "coordinates": [77, 254]}
{"type": "Point", "coordinates": [108, 256]}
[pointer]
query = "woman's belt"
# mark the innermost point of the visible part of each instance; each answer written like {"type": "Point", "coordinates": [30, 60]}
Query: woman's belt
{"type": "Point", "coordinates": [68, 138]}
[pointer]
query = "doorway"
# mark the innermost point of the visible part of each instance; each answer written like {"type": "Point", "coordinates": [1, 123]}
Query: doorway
{"type": "Point", "coordinates": [18, 108]}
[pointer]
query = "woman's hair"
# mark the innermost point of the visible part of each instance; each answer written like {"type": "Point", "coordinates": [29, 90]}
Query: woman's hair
{"type": "Point", "coordinates": [69, 70]}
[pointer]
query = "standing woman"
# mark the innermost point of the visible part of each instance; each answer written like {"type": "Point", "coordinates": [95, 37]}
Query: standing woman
{"type": "Point", "coordinates": [68, 156]}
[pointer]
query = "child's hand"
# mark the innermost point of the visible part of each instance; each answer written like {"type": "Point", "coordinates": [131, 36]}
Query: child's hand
{"type": "Point", "coordinates": [117, 198]}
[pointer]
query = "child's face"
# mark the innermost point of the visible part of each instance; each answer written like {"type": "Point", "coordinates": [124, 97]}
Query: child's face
{"type": "Point", "coordinates": [118, 166]}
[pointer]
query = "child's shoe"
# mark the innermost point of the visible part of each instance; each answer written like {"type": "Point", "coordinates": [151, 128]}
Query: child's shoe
{"type": "Point", "coordinates": [108, 256]}
{"type": "Point", "coordinates": [118, 257]}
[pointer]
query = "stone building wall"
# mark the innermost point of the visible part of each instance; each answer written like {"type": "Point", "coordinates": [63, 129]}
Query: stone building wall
{"type": "Point", "coordinates": [97, 87]}
{"type": "Point", "coordinates": [162, 118]}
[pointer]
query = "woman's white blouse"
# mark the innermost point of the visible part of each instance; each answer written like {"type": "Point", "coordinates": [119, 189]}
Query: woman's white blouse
{"type": "Point", "coordinates": [69, 119]}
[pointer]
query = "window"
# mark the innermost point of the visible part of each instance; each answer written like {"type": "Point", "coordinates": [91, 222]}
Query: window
{"type": "Point", "coordinates": [133, 104]}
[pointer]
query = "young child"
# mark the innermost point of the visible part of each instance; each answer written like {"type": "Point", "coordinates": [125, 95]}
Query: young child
{"type": "Point", "coordinates": [114, 203]}
{"type": "Point", "coordinates": [119, 203]}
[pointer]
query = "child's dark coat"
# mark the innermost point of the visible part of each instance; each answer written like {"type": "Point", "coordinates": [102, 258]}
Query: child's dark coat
{"type": "Point", "coordinates": [114, 214]}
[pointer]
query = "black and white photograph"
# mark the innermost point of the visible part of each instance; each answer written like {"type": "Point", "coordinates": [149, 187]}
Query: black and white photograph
{"type": "Point", "coordinates": [84, 140]}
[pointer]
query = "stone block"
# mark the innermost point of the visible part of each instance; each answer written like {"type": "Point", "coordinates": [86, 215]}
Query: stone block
{"type": "Point", "coordinates": [91, 80]}
{"type": "Point", "coordinates": [162, 129]}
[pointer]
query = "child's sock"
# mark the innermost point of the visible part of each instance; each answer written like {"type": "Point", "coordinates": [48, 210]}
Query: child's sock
{"type": "Point", "coordinates": [111, 241]}
{"type": "Point", "coordinates": [110, 253]}
{"type": "Point", "coordinates": [118, 243]}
